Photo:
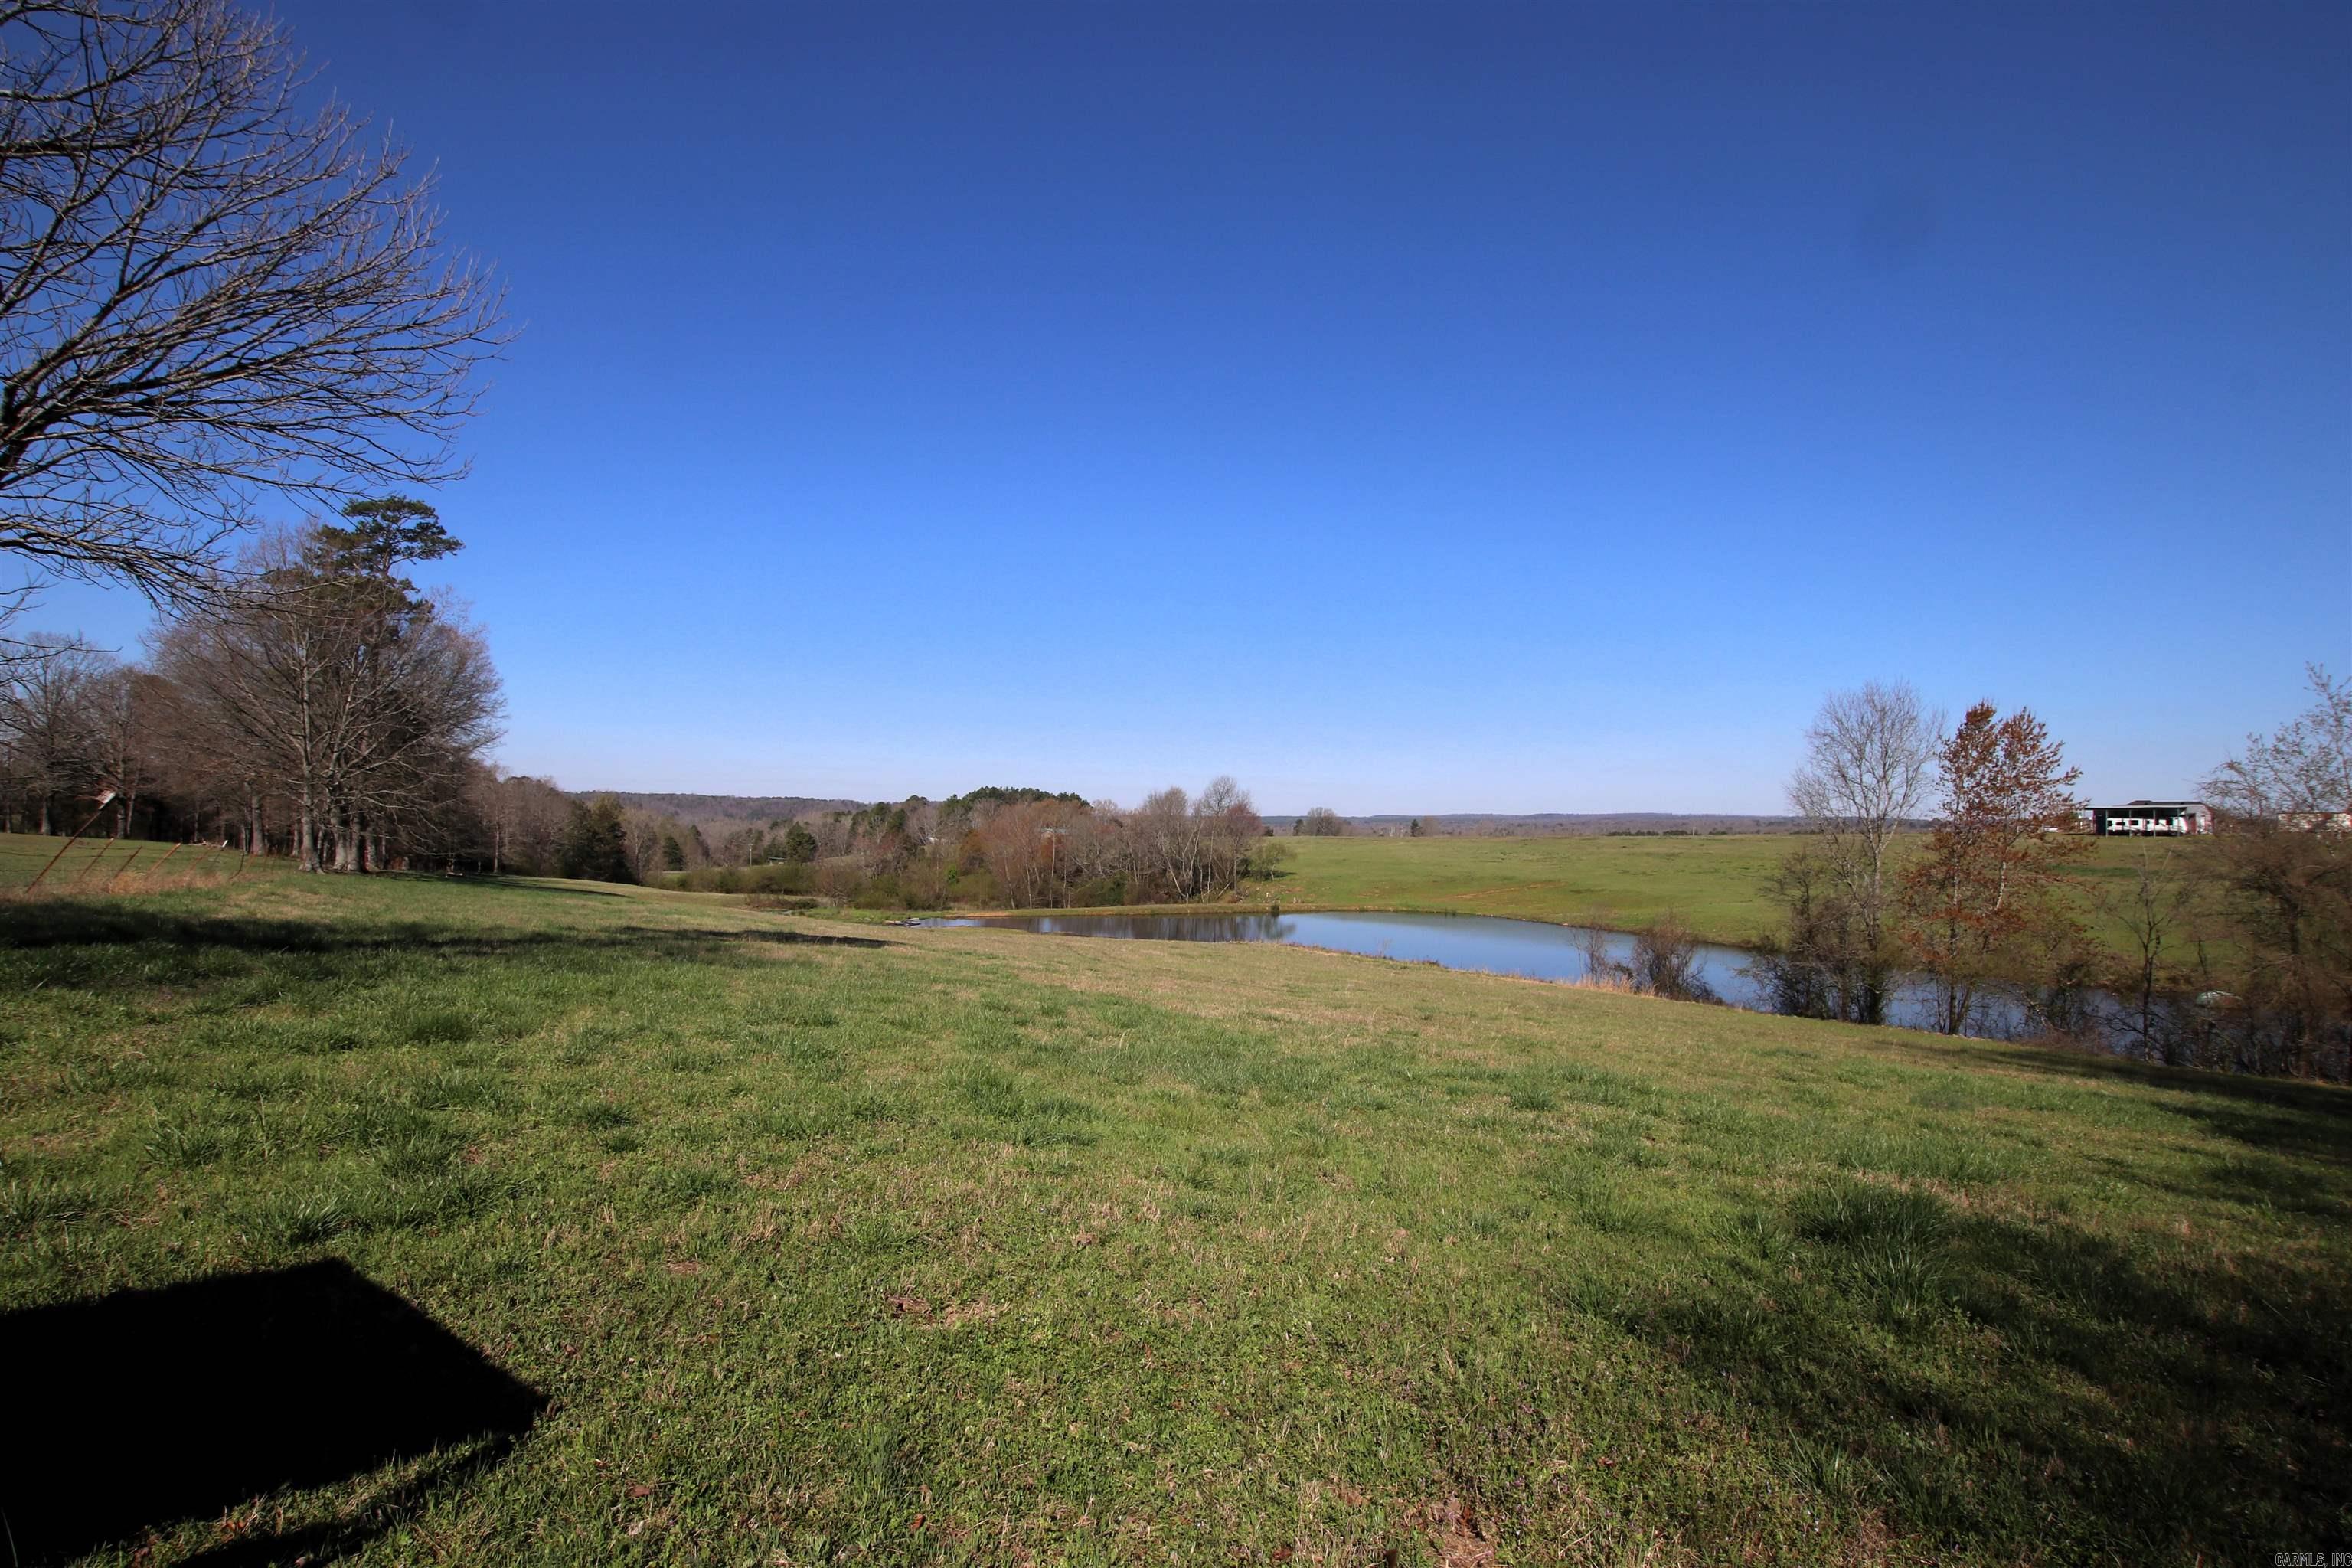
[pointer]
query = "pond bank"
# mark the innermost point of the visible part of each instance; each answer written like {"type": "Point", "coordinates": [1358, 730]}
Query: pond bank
{"type": "Point", "coordinates": [1495, 944]}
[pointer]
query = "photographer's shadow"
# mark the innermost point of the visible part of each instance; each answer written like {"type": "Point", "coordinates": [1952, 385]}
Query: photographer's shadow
{"type": "Point", "coordinates": [145, 1408]}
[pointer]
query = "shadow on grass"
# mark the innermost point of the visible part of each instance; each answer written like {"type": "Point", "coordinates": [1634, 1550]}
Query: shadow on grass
{"type": "Point", "coordinates": [70, 924]}
{"type": "Point", "coordinates": [513, 884]}
{"type": "Point", "coordinates": [146, 1409]}
{"type": "Point", "coordinates": [2332, 1103]}
{"type": "Point", "coordinates": [2309, 1121]}
{"type": "Point", "coordinates": [2014, 1389]}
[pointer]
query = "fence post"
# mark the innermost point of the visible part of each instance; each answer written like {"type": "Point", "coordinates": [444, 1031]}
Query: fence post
{"type": "Point", "coordinates": [68, 844]}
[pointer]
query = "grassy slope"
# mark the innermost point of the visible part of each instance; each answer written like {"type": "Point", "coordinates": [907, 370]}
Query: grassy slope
{"type": "Point", "coordinates": [967, 1245]}
{"type": "Point", "coordinates": [1713, 884]}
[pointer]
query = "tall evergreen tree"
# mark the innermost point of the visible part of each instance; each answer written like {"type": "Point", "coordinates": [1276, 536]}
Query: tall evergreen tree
{"type": "Point", "coordinates": [596, 843]}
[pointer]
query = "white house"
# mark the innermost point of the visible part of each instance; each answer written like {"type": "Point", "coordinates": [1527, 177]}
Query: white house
{"type": "Point", "coordinates": [2153, 818]}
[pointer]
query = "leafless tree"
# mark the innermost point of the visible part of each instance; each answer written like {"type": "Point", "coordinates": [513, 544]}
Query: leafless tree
{"type": "Point", "coordinates": [359, 702]}
{"type": "Point", "coordinates": [2281, 865]}
{"type": "Point", "coordinates": [211, 766]}
{"type": "Point", "coordinates": [833, 840]}
{"type": "Point", "coordinates": [1022, 842]}
{"type": "Point", "coordinates": [1094, 853]}
{"type": "Point", "coordinates": [1169, 836]}
{"type": "Point", "coordinates": [1229, 829]}
{"type": "Point", "coordinates": [642, 834]}
{"type": "Point", "coordinates": [2302, 772]}
{"type": "Point", "coordinates": [50, 723]}
{"type": "Point", "coordinates": [207, 292]}
{"type": "Point", "coordinates": [2155, 909]}
{"type": "Point", "coordinates": [436, 710]}
{"type": "Point", "coordinates": [1870, 757]}
{"type": "Point", "coordinates": [1666, 962]}
{"type": "Point", "coordinates": [1869, 761]}
{"type": "Point", "coordinates": [1179, 847]}
{"type": "Point", "coordinates": [121, 746]}
{"type": "Point", "coordinates": [523, 819]}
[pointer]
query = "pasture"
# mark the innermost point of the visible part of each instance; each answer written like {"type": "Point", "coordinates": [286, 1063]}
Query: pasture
{"type": "Point", "coordinates": [784, 1240]}
{"type": "Point", "coordinates": [1713, 884]}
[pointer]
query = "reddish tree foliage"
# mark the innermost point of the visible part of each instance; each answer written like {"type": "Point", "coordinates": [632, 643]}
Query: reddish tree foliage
{"type": "Point", "coordinates": [1023, 847]}
{"type": "Point", "coordinates": [1977, 905]}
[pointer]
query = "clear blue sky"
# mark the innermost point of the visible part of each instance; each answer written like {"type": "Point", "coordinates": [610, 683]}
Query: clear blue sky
{"type": "Point", "coordinates": [1404, 409]}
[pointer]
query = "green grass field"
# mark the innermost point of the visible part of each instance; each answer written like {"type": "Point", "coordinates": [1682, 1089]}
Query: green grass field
{"type": "Point", "coordinates": [1716, 884]}
{"type": "Point", "coordinates": [831, 1244]}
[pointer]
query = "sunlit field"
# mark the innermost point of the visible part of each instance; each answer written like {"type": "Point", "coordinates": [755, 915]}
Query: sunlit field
{"type": "Point", "coordinates": [1713, 884]}
{"type": "Point", "coordinates": [100, 866]}
{"type": "Point", "coordinates": [794, 1241]}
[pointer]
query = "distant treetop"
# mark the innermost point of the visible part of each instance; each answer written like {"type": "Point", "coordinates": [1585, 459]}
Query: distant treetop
{"type": "Point", "coordinates": [993, 794]}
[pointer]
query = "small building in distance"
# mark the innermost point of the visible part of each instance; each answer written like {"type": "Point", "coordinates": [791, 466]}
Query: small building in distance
{"type": "Point", "coordinates": [2152, 818]}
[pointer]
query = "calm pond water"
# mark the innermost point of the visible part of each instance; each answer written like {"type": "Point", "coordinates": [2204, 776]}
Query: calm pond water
{"type": "Point", "coordinates": [1531, 949]}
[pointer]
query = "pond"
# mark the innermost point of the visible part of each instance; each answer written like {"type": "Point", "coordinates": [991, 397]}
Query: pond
{"type": "Point", "coordinates": [1531, 949]}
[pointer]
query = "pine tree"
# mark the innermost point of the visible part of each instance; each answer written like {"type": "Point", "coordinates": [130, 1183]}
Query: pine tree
{"type": "Point", "coordinates": [596, 845]}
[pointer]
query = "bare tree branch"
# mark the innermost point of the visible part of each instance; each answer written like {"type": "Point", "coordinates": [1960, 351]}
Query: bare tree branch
{"type": "Point", "coordinates": [2302, 772]}
{"type": "Point", "coordinates": [1865, 773]}
{"type": "Point", "coordinates": [207, 295]}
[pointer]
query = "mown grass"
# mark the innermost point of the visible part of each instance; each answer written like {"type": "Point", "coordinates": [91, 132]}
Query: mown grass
{"type": "Point", "coordinates": [1714, 885]}
{"type": "Point", "coordinates": [970, 1245]}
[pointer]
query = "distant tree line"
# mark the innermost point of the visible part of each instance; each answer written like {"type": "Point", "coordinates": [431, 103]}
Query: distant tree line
{"type": "Point", "coordinates": [1322, 821]}
{"type": "Point", "coordinates": [2236, 949]}
{"type": "Point", "coordinates": [217, 292]}
{"type": "Point", "coordinates": [1022, 848]}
